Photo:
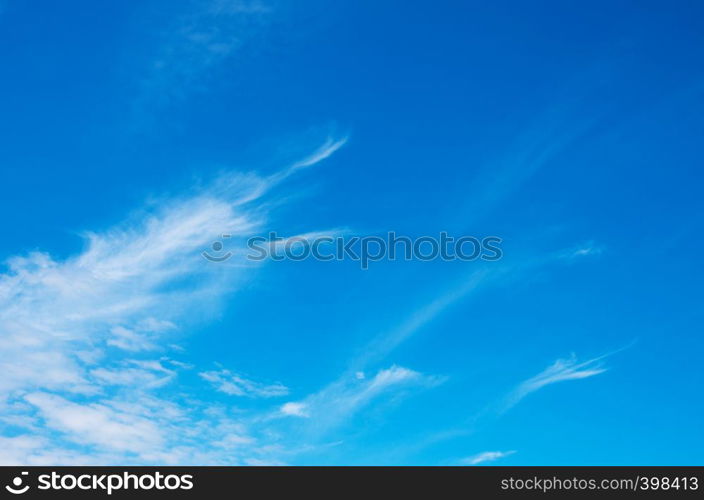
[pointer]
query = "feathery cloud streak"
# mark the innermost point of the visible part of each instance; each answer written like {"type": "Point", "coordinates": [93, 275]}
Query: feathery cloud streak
{"type": "Point", "coordinates": [560, 371]}
{"type": "Point", "coordinates": [486, 456]}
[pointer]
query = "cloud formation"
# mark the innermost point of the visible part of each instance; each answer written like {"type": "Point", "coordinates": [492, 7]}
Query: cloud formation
{"type": "Point", "coordinates": [560, 371]}
{"type": "Point", "coordinates": [235, 385]}
{"type": "Point", "coordinates": [84, 340]}
{"type": "Point", "coordinates": [339, 402]}
{"type": "Point", "coordinates": [486, 456]}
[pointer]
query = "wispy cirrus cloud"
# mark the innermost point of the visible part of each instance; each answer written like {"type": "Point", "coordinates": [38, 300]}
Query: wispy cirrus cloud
{"type": "Point", "coordinates": [384, 343]}
{"type": "Point", "coordinates": [339, 402]}
{"type": "Point", "coordinates": [199, 38]}
{"type": "Point", "coordinates": [560, 371]}
{"type": "Point", "coordinates": [587, 249]}
{"type": "Point", "coordinates": [235, 385]}
{"type": "Point", "coordinates": [134, 373]}
{"type": "Point", "coordinates": [114, 295]}
{"type": "Point", "coordinates": [486, 456]}
{"type": "Point", "coordinates": [139, 338]}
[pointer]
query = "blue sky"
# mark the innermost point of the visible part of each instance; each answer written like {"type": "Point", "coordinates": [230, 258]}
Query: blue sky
{"type": "Point", "coordinates": [134, 134]}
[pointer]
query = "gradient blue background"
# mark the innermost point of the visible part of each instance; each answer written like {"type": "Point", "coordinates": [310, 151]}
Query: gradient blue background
{"type": "Point", "coordinates": [551, 124]}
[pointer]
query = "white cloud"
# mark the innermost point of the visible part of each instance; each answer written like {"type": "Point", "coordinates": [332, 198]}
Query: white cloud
{"type": "Point", "coordinates": [588, 249]}
{"type": "Point", "coordinates": [141, 429]}
{"type": "Point", "coordinates": [295, 409]}
{"type": "Point", "coordinates": [97, 424]}
{"type": "Point", "coordinates": [323, 152]}
{"type": "Point", "coordinates": [236, 385]}
{"type": "Point", "coordinates": [15, 449]}
{"type": "Point", "coordinates": [486, 456]}
{"type": "Point", "coordinates": [135, 373]}
{"type": "Point", "coordinates": [561, 370]}
{"type": "Point", "coordinates": [339, 402]}
{"type": "Point", "coordinates": [128, 340]}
